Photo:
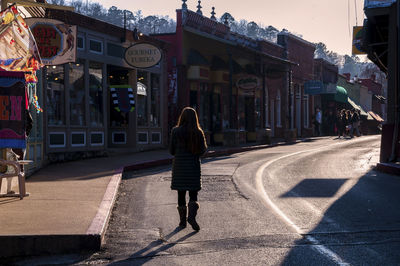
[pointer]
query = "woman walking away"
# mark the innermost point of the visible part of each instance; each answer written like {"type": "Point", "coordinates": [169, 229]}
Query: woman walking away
{"type": "Point", "coordinates": [187, 145]}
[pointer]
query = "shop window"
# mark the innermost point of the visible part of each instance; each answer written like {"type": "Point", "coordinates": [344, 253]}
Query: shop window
{"type": "Point", "coordinates": [155, 101]}
{"type": "Point", "coordinates": [226, 112]}
{"type": "Point", "coordinates": [216, 110]}
{"type": "Point", "coordinates": [77, 93]}
{"type": "Point", "coordinates": [305, 111]}
{"type": "Point", "coordinates": [78, 139]}
{"type": "Point", "coordinates": [156, 137]}
{"type": "Point", "coordinates": [96, 94]}
{"type": "Point", "coordinates": [257, 107]}
{"type": "Point", "coordinates": [142, 138]}
{"type": "Point", "coordinates": [80, 42]}
{"type": "Point", "coordinates": [96, 46]}
{"type": "Point", "coordinates": [56, 139]}
{"type": "Point", "coordinates": [119, 137]}
{"type": "Point", "coordinates": [241, 112]}
{"type": "Point", "coordinates": [115, 50]}
{"type": "Point", "coordinates": [117, 76]}
{"type": "Point", "coordinates": [142, 93]}
{"type": "Point", "coordinates": [97, 138]}
{"type": "Point", "coordinates": [278, 109]}
{"type": "Point", "coordinates": [266, 109]}
{"type": "Point", "coordinates": [55, 95]}
{"type": "Point", "coordinates": [204, 107]}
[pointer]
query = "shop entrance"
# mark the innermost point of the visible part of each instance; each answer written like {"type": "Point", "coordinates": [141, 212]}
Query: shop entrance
{"type": "Point", "coordinates": [250, 124]}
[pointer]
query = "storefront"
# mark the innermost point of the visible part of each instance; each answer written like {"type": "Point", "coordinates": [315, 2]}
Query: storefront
{"type": "Point", "coordinates": [99, 103]}
{"type": "Point", "coordinates": [223, 75]}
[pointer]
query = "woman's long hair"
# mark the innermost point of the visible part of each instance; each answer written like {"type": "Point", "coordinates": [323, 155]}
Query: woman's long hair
{"type": "Point", "coordinates": [191, 133]}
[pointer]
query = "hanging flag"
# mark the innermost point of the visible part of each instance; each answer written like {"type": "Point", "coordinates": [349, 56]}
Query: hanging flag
{"type": "Point", "coordinates": [18, 50]}
{"type": "Point", "coordinates": [123, 99]}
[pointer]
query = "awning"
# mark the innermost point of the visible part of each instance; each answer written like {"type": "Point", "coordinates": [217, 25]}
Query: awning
{"type": "Point", "coordinates": [341, 94]}
{"type": "Point", "coordinates": [356, 106]}
{"type": "Point", "coordinates": [375, 116]}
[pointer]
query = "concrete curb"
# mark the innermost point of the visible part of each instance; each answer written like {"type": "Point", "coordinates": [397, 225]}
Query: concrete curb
{"type": "Point", "coordinates": [100, 222]}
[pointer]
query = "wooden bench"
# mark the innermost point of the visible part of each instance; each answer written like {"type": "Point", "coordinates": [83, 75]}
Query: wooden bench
{"type": "Point", "coordinates": [17, 172]}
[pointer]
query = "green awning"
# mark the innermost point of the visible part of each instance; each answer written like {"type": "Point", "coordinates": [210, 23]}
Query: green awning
{"type": "Point", "coordinates": [341, 94]}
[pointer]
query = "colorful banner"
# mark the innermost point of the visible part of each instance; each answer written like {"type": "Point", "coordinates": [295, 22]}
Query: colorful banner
{"type": "Point", "coordinates": [18, 50]}
{"type": "Point", "coordinates": [123, 99]}
{"type": "Point", "coordinates": [12, 112]}
{"type": "Point", "coordinates": [56, 40]}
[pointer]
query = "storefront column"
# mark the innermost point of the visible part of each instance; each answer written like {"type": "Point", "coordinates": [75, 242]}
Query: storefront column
{"type": "Point", "coordinates": [132, 124]}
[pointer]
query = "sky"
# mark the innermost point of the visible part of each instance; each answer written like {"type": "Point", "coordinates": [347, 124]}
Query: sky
{"type": "Point", "coordinates": [327, 21]}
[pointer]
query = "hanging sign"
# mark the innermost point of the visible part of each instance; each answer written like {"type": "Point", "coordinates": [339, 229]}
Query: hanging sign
{"type": "Point", "coordinates": [143, 55]}
{"type": "Point", "coordinates": [55, 39]}
{"type": "Point", "coordinates": [12, 112]}
{"type": "Point", "coordinates": [18, 50]}
{"type": "Point", "coordinates": [248, 82]}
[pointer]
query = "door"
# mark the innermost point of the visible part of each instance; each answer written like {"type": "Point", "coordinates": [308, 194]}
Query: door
{"type": "Point", "coordinates": [298, 111]}
{"type": "Point", "coordinates": [272, 113]}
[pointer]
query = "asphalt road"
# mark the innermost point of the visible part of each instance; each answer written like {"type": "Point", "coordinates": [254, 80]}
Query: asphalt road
{"type": "Point", "coordinates": [312, 203]}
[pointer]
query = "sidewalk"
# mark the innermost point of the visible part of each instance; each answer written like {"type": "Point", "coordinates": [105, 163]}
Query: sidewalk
{"type": "Point", "coordinates": [70, 203]}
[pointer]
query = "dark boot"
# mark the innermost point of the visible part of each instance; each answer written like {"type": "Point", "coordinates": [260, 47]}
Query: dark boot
{"type": "Point", "coordinates": [182, 215]}
{"type": "Point", "coordinates": [193, 207]}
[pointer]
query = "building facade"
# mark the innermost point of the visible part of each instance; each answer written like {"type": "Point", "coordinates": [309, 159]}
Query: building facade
{"type": "Point", "coordinates": [83, 114]}
{"type": "Point", "coordinates": [237, 85]}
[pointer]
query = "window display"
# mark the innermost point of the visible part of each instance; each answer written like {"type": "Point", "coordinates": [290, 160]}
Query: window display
{"type": "Point", "coordinates": [96, 94]}
{"type": "Point", "coordinates": [55, 95]}
{"type": "Point", "coordinates": [77, 93]}
{"type": "Point", "coordinates": [142, 87]}
{"type": "Point", "coordinates": [155, 100]}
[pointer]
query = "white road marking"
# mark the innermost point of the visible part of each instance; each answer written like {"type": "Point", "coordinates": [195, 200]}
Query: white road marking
{"type": "Point", "coordinates": [260, 189]}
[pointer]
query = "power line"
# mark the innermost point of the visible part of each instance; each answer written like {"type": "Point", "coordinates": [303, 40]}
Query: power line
{"type": "Point", "coordinates": [348, 17]}
{"type": "Point", "coordinates": [355, 10]}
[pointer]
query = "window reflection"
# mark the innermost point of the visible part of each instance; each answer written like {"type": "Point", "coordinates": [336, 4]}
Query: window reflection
{"type": "Point", "coordinates": [77, 93]}
{"type": "Point", "coordinates": [96, 94]}
{"type": "Point", "coordinates": [55, 95]}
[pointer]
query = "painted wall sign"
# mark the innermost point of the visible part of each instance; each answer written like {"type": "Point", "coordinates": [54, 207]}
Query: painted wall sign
{"type": "Point", "coordinates": [55, 39]}
{"type": "Point", "coordinates": [143, 55]}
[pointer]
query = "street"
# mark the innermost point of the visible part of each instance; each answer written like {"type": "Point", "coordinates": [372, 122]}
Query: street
{"type": "Point", "coordinates": [311, 203]}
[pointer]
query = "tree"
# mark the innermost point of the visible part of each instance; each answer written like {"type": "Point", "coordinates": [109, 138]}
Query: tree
{"type": "Point", "coordinates": [252, 30]}
{"type": "Point", "coordinates": [227, 16]}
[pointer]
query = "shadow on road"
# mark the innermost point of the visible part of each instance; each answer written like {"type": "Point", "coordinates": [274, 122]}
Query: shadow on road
{"type": "Point", "coordinates": [360, 228]}
{"type": "Point", "coordinates": [147, 254]}
{"type": "Point", "coordinates": [315, 188]}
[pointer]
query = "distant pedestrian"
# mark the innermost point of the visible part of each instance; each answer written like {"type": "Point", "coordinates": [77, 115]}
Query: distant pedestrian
{"type": "Point", "coordinates": [187, 145]}
{"type": "Point", "coordinates": [348, 122]}
{"type": "Point", "coordinates": [339, 123]}
{"type": "Point", "coordinates": [318, 121]}
{"type": "Point", "coordinates": [355, 119]}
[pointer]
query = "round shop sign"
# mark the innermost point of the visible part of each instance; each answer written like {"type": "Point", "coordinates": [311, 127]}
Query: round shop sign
{"type": "Point", "coordinates": [248, 82]}
{"type": "Point", "coordinates": [143, 55]}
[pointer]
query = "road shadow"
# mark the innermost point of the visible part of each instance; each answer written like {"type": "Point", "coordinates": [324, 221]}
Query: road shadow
{"type": "Point", "coordinates": [315, 188]}
{"type": "Point", "coordinates": [361, 228]}
{"type": "Point", "coordinates": [146, 254]}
